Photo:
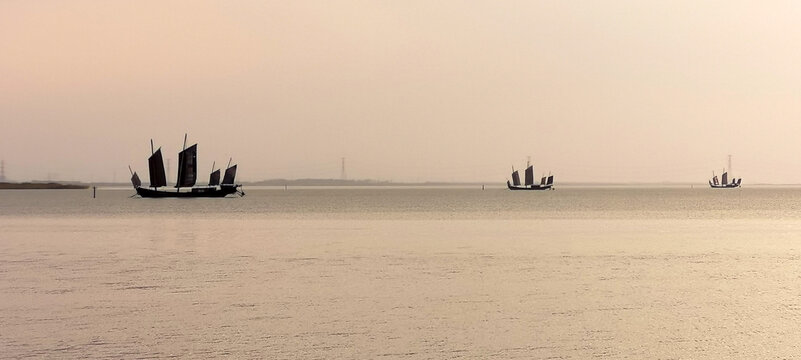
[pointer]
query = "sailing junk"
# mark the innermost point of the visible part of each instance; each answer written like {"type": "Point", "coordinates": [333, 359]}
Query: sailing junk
{"type": "Point", "coordinates": [546, 182]}
{"type": "Point", "coordinates": [724, 183]}
{"type": "Point", "coordinates": [187, 177]}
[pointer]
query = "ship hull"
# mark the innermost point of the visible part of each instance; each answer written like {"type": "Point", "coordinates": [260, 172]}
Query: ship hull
{"type": "Point", "coordinates": [724, 186]}
{"type": "Point", "coordinates": [531, 187]}
{"type": "Point", "coordinates": [199, 192]}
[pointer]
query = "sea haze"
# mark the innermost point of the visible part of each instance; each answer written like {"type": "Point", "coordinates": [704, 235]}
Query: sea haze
{"type": "Point", "coordinates": [403, 273]}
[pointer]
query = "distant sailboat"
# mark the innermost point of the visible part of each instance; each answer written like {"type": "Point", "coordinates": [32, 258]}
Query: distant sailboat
{"type": "Point", "coordinates": [546, 182]}
{"type": "Point", "coordinates": [187, 177]}
{"type": "Point", "coordinates": [724, 183]}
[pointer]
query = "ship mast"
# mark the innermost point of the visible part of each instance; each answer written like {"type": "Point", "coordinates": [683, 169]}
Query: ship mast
{"type": "Point", "coordinates": [181, 161]}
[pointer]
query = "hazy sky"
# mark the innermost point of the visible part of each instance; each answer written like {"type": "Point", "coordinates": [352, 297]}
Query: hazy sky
{"type": "Point", "coordinates": [405, 90]}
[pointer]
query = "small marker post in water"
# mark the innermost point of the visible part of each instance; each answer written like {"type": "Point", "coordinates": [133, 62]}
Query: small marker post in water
{"type": "Point", "coordinates": [94, 192]}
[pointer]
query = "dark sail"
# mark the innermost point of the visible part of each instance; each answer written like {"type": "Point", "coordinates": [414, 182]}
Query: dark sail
{"type": "Point", "coordinates": [529, 175]}
{"type": "Point", "coordinates": [156, 166]}
{"type": "Point", "coordinates": [187, 167]}
{"type": "Point", "coordinates": [135, 181]}
{"type": "Point", "coordinates": [230, 174]}
{"type": "Point", "coordinates": [715, 180]}
{"type": "Point", "coordinates": [724, 178]}
{"type": "Point", "coordinates": [515, 178]}
{"type": "Point", "coordinates": [214, 179]}
{"type": "Point", "coordinates": [542, 181]}
{"type": "Point", "coordinates": [550, 180]}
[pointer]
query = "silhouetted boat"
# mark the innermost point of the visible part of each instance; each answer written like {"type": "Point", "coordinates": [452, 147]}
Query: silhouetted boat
{"type": "Point", "coordinates": [546, 182]}
{"type": "Point", "coordinates": [724, 183]}
{"type": "Point", "coordinates": [187, 177]}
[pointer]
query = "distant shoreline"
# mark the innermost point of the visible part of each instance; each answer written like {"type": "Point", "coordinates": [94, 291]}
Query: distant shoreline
{"type": "Point", "coordinates": [368, 182]}
{"type": "Point", "coordinates": [365, 183]}
{"type": "Point", "coordinates": [41, 186]}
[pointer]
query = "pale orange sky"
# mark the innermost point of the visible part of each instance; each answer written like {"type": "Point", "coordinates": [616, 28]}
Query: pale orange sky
{"type": "Point", "coordinates": [624, 91]}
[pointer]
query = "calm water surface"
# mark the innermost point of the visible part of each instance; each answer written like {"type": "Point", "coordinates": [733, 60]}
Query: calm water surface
{"type": "Point", "coordinates": [575, 273]}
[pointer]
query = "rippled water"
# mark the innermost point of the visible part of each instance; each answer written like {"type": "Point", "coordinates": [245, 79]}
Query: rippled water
{"type": "Point", "coordinates": [403, 273]}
